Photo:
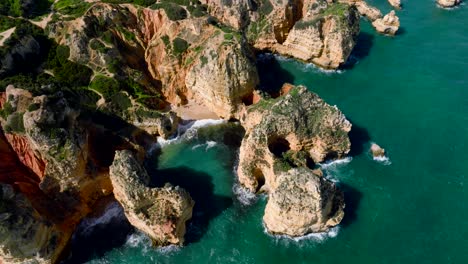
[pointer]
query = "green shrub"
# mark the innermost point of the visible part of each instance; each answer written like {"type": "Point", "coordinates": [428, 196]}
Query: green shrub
{"type": "Point", "coordinates": [72, 8]}
{"type": "Point", "coordinates": [33, 107]}
{"type": "Point", "coordinates": [15, 123]}
{"type": "Point", "coordinates": [179, 46]}
{"type": "Point", "coordinates": [105, 85]}
{"type": "Point", "coordinates": [6, 110]}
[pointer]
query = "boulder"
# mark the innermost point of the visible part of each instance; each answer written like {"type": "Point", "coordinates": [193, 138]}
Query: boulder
{"type": "Point", "coordinates": [448, 3]}
{"type": "Point", "coordinates": [302, 203]}
{"type": "Point", "coordinates": [387, 25]}
{"type": "Point", "coordinates": [377, 151]}
{"type": "Point", "coordinates": [161, 213]}
{"type": "Point", "coordinates": [395, 3]}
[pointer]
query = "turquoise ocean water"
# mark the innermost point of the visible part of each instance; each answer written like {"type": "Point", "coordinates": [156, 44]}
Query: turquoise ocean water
{"type": "Point", "coordinates": [409, 94]}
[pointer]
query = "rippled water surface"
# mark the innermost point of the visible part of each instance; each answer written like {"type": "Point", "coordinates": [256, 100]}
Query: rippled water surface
{"type": "Point", "coordinates": [409, 94]}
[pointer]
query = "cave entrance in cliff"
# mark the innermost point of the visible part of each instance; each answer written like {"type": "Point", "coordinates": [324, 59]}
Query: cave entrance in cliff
{"type": "Point", "coordinates": [278, 146]}
{"type": "Point", "coordinates": [259, 177]}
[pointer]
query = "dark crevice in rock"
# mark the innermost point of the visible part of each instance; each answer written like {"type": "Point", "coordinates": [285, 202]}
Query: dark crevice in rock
{"type": "Point", "coordinates": [278, 146]}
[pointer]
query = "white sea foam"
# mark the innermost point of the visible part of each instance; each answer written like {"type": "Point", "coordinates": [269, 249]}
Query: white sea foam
{"type": "Point", "coordinates": [138, 239]}
{"type": "Point", "coordinates": [335, 163]}
{"type": "Point", "coordinates": [383, 160]}
{"type": "Point", "coordinates": [187, 130]}
{"type": "Point", "coordinates": [316, 237]}
{"type": "Point", "coordinates": [243, 195]}
{"type": "Point", "coordinates": [112, 211]}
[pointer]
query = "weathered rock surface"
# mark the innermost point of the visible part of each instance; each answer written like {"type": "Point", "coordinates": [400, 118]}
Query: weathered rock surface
{"type": "Point", "coordinates": [159, 212]}
{"type": "Point", "coordinates": [366, 10]}
{"type": "Point", "coordinates": [183, 60]}
{"type": "Point", "coordinates": [377, 151]}
{"type": "Point", "coordinates": [26, 236]}
{"type": "Point", "coordinates": [395, 3]}
{"type": "Point", "coordinates": [302, 203]}
{"type": "Point", "coordinates": [388, 25]}
{"type": "Point", "coordinates": [295, 130]}
{"type": "Point", "coordinates": [313, 31]}
{"type": "Point", "coordinates": [448, 3]}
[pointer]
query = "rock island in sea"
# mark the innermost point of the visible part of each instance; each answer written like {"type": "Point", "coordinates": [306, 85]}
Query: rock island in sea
{"type": "Point", "coordinates": [87, 88]}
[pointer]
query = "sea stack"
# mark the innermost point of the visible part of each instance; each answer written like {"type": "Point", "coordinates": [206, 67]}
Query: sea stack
{"type": "Point", "coordinates": [161, 213]}
{"type": "Point", "coordinates": [387, 25]}
{"type": "Point", "coordinates": [303, 202]}
{"type": "Point", "coordinates": [377, 151]}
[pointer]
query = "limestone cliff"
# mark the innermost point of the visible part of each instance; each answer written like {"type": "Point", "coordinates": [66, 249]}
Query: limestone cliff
{"type": "Point", "coordinates": [159, 212]}
{"type": "Point", "coordinates": [25, 235]}
{"type": "Point", "coordinates": [303, 203]}
{"type": "Point", "coordinates": [169, 54]}
{"type": "Point", "coordinates": [313, 31]}
{"type": "Point", "coordinates": [295, 130]}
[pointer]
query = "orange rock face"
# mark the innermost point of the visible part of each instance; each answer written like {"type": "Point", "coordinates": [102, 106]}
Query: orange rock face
{"type": "Point", "coordinates": [26, 155]}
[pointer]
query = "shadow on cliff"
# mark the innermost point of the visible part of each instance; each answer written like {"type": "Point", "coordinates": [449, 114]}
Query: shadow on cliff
{"type": "Point", "coordinates": [359, 138]}
{"type": "Point", "coordinates": [201, 188]}
{"type": "Point", "coordinates": [272, 75]}
{"type": "Point", "coordinates": [362, 49]}
{"type": "Point", "coordinates": [352, 200]}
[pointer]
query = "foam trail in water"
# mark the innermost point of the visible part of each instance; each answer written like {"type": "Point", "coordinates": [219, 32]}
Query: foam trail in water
{"type": "Point", "coordinates": [335, 163]}
{"type": "Point", "coordinates": [316, 237]}
{"type": "Point", "coordinates": [185, 131]}
{"type": "Point", "coordinates": [112, 211]}
{"type": "Point", "coordinates": [383, 160]}
{"type": "Point", "coordinates": [243, 195]}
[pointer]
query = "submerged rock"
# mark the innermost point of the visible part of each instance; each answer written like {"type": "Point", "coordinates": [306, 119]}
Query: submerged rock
{"type": "Point", "coordinates": [161, 213]}
{"type": "Point", "coordinates": [295, 130]}
{"type": "Point", "coordinates": [302, 203]}
{"type": "Point", "coordinates": [377, 151]}
{"type": "Point", "coordinates": [448, 3]}
{"type": "Point", "coordinates": [388, 25]}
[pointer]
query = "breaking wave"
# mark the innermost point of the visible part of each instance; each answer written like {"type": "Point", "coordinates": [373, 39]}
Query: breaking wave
{"type": "Point", "coordinates": [315, 237]}
{"type": "Point", "coordinates": [112, 212]}
{"type": "Point", "coordinates": [383, 160]}
{"type": "Point", "coordinates": [187, 130]}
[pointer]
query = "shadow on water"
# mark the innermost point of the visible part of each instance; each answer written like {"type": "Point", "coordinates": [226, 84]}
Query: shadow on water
{"type": "Point", "coordinates": [272, 75]}
{"type": "Point", "coordinates": [93, 241]}
{"type": "Point", "coordinates": [352, 200]}
{"type": "Point", "coordinates": [361, 50]}
{"type": "Point", "coordinates": [401, 31]}
{"type": "Point", "coordinates": [201, 188]}
{"type": "Point", "coordinates": [359, 138]}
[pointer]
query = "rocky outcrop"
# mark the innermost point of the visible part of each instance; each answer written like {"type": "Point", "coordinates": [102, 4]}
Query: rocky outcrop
{"type": "Point", "coordinates": [314, 31]}
{"type": "Point", "coordinates": [295, 130]}
{"type": "Point", "coordinates": [377, 151]}
{"type": "Point", "coordinates": [172, 53]}
{"type": "Point", "coordinates": [387, 25]}
{"type": "Point", "coordinates": [448, 3]}
{"type": "Point", "coordinates": [25, 235]}
{"type": "Point", "coordinates": [395, 3]}
{"type": "Point", "coordinates": [302, 203]}
{"type": "Point", "coordinates": [159, 212]}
